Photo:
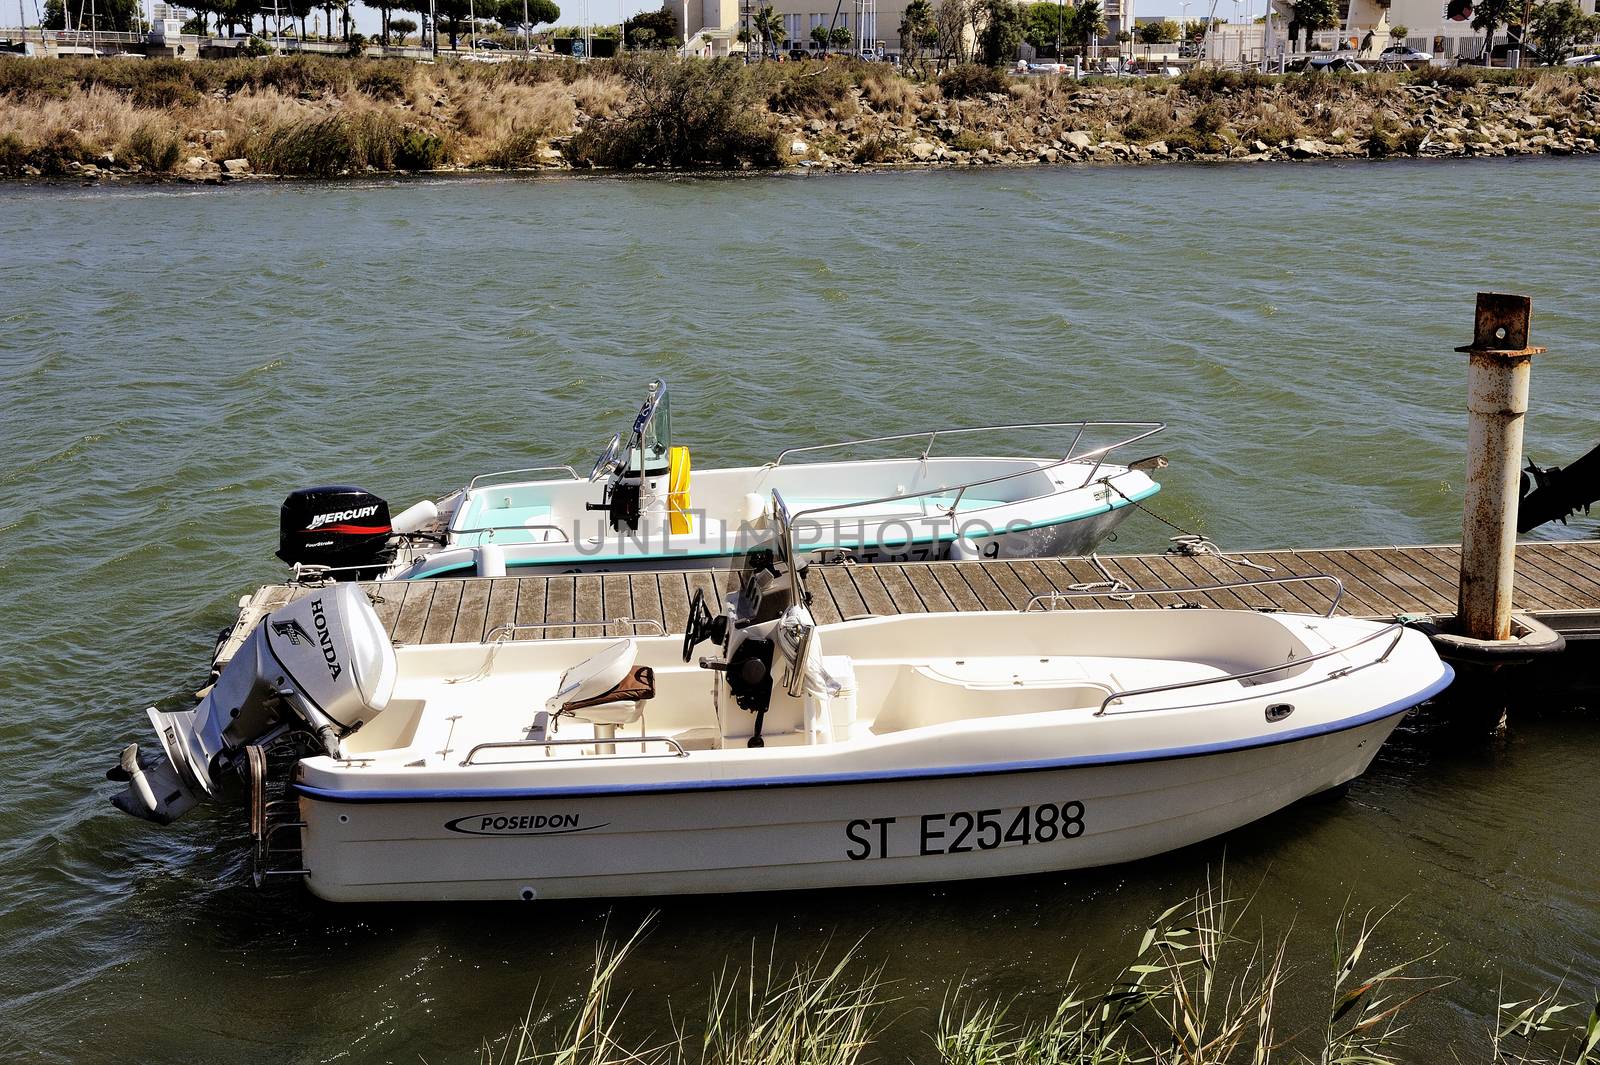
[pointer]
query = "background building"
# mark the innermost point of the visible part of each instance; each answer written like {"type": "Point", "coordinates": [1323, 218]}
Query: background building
{"type": "Point", "coordinates": [712, 26]}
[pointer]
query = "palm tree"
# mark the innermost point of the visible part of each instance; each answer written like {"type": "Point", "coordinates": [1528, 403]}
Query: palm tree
{"type": "Point", "coordinates": [1088, 22]}
{"type": "Point", "coordinates": [1488, 16]}
{"type": "Point", "coordinates": [769, 27]}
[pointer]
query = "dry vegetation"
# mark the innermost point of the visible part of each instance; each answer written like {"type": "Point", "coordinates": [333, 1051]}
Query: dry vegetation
{"type": "Point", "coordinates": [328, 116]}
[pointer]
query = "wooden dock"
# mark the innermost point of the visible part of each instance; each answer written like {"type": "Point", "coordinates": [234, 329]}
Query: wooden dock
{"type": "Point", "coordinates": [1557, 582]}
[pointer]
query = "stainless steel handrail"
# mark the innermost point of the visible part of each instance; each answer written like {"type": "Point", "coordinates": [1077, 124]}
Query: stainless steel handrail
{"type": "Point", "coordinates": [484, 477]}
{"type": "Point", "coordinates": [502, 633]}
{"type": "Point", "coordinates": [492, 529]}
{"type": "Point", "coordinates": [1099, 454]}
{"type": "Point", "coordinates": [1290, 664]}
{"type": "Point", "coordinates": [676, 752]}
{"type": "Point", "coordinates": [934, 434]}
{"type": "Point", "coordinates": [961, 490]}
{"type": "Point", "coordinates": [1054, 597]}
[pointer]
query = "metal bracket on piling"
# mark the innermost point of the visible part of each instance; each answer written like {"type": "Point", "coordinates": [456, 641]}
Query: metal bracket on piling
{"type": "Point", "coordinates": [1500, 328]}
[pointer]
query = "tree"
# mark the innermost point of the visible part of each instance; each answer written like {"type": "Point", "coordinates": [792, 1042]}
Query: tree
{"type": "Point", "coordinates": [950, 30]}
{"type": "Point", "coordinates": [916, 31]}
{"type": "Point", "coordinates": [820, 35]}
{"type": "Point", "coordinates": [1311, 16]}
{"type": "Point", "coordinates": [768, 25]}
{"type": "Point", "coordinates": [1003, 30]}
{"type": "Point", "coordinates": [1044, 23]}
{"type": "Point", "coordinates": [1088, 22]}
{"type": "Point", "coordinates": [509, 13]}
{"type": "Point", "coordinates": [234, 13]}
{"type": "Point", "coordinates": [453, 15]}
{"type": "Point", "coordinates": [1558, 25]}
{"type": "Point", "coordinates": [652, 29]}
{"type": "Point", "coordinates": [107, 15]}
{"type": "Point", "coordinates": [1399, 33]}
{"type": "Point", "coordinates": [1488, 16]}
{"type": "Point", "coordinates": [402, 28]}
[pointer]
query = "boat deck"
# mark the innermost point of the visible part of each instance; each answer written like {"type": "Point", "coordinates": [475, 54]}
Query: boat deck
{"type": "Point", "coordinates": [1557, 582]}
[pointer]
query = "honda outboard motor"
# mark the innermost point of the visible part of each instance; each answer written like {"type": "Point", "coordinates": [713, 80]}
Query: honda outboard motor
{"type": "Point", "coordinates": [338, 526]}
{"type": "Point", "coordinates": [322, 664]}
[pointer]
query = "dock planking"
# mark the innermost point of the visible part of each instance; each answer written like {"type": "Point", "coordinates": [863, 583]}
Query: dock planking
{"type": "Point", "coordinates": [1557, 581]}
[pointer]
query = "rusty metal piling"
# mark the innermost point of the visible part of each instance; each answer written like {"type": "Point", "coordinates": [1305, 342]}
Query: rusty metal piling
{"type": "Point", "coordinates": [1497, 401]}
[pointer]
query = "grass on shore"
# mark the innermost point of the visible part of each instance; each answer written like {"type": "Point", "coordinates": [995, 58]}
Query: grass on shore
{"type": "Point", "coordinates": [1204, 989]}
{"type": "Point", "coordinates": [322, 115]}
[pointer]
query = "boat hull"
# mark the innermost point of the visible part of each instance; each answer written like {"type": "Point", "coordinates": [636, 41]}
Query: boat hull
{"type": "Point", "coordinates": [1070, 537]}
{"type": "Point", "coordinates": [826, 835]}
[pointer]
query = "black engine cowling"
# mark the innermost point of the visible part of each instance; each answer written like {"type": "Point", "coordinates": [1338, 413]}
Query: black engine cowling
{"type": "Point", "coordinates": [335, 525]}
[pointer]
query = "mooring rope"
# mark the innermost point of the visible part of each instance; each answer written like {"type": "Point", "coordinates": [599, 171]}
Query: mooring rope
{"type": "Point", "coordinates": [1189, 544]}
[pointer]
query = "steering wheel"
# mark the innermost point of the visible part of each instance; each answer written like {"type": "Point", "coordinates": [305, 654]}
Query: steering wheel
{"type": "Point", "coordinates": [699, 624]}
{"type": "Point", "coordinates": [607, 460]}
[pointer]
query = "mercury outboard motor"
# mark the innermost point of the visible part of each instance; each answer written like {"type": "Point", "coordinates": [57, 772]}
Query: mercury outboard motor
{"type": "Point", "coordinates": [339, 526]}
{"type": "Point", "coordinates": [322, 665]}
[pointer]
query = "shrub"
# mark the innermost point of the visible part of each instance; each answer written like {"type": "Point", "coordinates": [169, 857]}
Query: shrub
{"type": "Point", "coordinates": [889, 92]}
{"type": "Point", "coordinates": [682, 114]}
{"type": "Point", "coordinates": [1206, 82]}
{"type": "Point", "coordinates": [420, 150]}
{"type": "Point", "coordinates": [60, 149]}
{"type": "Point", "coordinates": [300, 75]}
{"type": "Point", "coordinates": [154, 148]}
{"type": "Point", "coordinates": [254, 48]}
{"type": "Point", "coordinates": [971, 79]}
{"type": "Point", "coordinates": [968, 141]}
{"type": "Point", "coordinates": [382, 81]}
{"type": "Point", "coordinates": [1447, 77]}
{"type": "Point", "coordinates": [1150, 121]}
{"type": "Point", "coordinates": [520, 148]}
{"type": "Point", "coordinates": [164, 94]}
{"type": "Point", "coordinates": [1382, 140]}
{"type": "Point", "coordinates": [872, 150]}
{"type": "Point", "coordinates": [598, 96]}
{"type": "Point", "coordinates": [13, 153]}
{"type": "Point", "coordinates": [828, 92]}
{"type": "Point", "coordinates": [1273, 126]}
{"type": "Point", "coordinates": [329, 147]}
{"type": "Point", "coordinates": [1211, 118]}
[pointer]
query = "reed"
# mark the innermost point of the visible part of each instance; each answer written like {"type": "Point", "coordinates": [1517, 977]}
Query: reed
{"type": "Point", "coordinates": [817, 1013]}
{"type": "Point", "coordinates": [1204, 988]}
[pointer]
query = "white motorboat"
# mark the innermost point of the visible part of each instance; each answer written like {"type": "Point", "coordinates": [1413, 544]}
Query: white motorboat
{"type": "Point", "coordinates": [641, 507]}
{"type": "Point", "coordinates": [887, 750]}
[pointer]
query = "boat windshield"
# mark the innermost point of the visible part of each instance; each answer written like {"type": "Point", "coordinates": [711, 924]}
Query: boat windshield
{"type": "Point", "coordinates": [651, 438]}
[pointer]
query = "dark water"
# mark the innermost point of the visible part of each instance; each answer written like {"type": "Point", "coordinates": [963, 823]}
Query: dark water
{"type": "Point", "coordinates": [174, 360]}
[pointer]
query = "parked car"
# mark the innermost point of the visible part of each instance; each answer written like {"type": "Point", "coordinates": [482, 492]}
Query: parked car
{"type": "Point", "coordinates": [798, 53]}
{"type": "Point", "coordinates": [1404, 55]}
{"type": "Point", "coordinates": [487, 44]}
{"type": "Point", "coordinates": [1590, 60]}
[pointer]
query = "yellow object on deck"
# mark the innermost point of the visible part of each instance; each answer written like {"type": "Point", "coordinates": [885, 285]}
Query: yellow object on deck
{"type": "Point", "coordinates": [679, 519]}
